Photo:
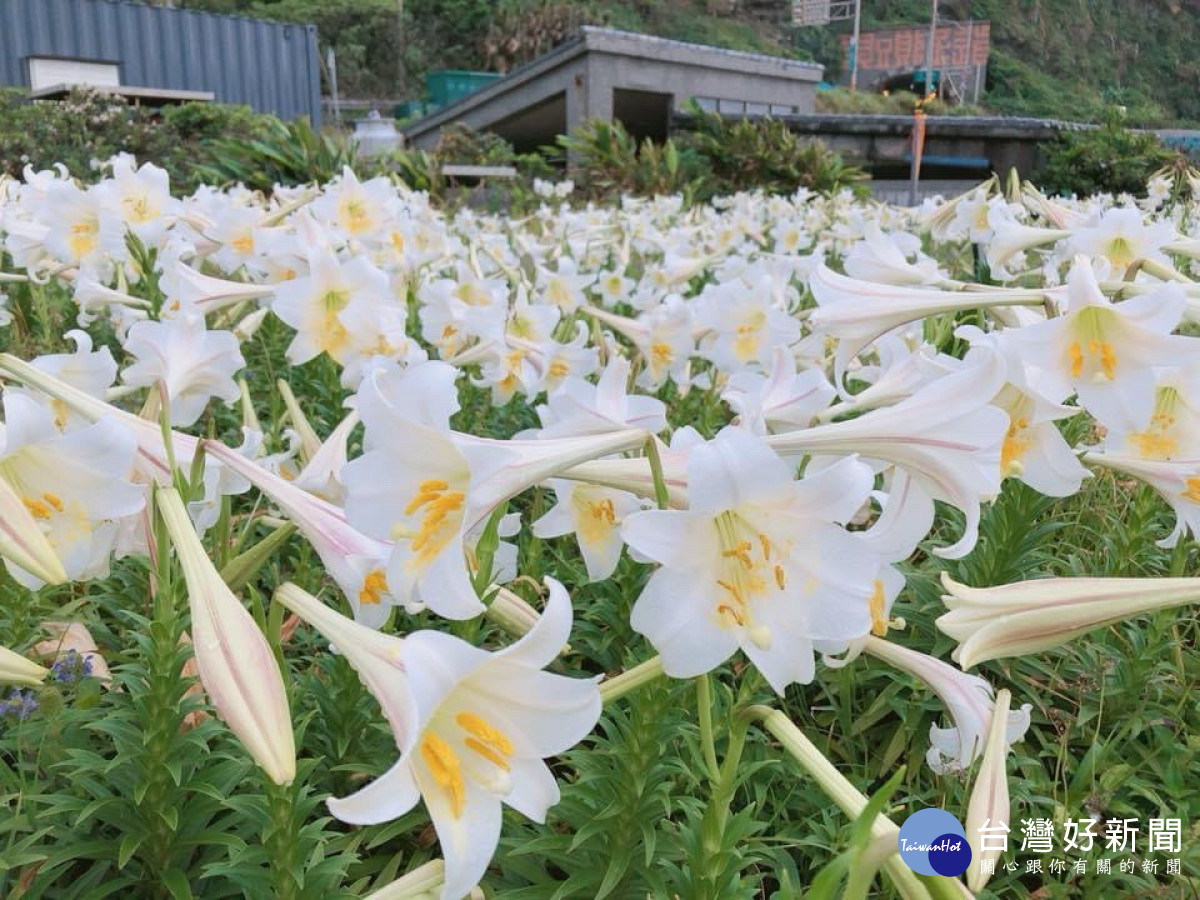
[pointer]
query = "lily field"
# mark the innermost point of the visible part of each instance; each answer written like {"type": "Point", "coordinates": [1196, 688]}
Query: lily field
{"type": "Point", "coordinates": [359, 546]}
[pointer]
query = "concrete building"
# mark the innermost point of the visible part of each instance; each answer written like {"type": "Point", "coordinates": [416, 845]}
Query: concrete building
{"type": "Point", "coordinates": [636, 79]}
{"type": "Point", "coordinates": [154, 55]}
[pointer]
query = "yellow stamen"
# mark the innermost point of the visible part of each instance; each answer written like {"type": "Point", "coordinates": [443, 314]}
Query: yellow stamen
{"type": "Point", "coordinates": [780, 577]}
{"type": "Point", "coordinates": [879, 625]}
{"type": "Point", "coordinates": [374, 587]}
{"type": "Point", "coordinates": [741, 553]}
{"type": "Point", "coordinates": [733, 592]}
{"type": "Point", "coordinates": [446, 769]}
{"type": "Point", "coordinates": [1016, 444]}
{"type": "Point", "coordinates": [724, 610]}
{"type": "Point", "coordinates": [1108, 360]}
{"type": "Point", "coordinates": [485, 731]}
{"type": "Point", "coordinates": [661, 353]}
{"type": "Point", "coordinates": [488, 753]}
{"type": "Point", "coordinates": [53, 500]}
{"type": "Point", "coordinates": [1193, 490]}
{"type": "Point", "coordinates": [439, 523]}
{"type": "Point", "coordinates": [38, 509]}
{"type": "Point", "coordinates": [1075, 354]}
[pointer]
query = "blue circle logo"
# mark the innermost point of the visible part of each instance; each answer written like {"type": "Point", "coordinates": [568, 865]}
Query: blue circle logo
{"type": "Point", "coordinates": [932, 842]}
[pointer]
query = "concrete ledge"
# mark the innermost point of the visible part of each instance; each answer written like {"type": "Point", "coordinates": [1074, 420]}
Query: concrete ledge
{"type": "Point", "coordinates": [150, 96]}
{"type": "Point", "coordinates": [463, 171]}
{"type": "Point", "coordinates": [940, 126]}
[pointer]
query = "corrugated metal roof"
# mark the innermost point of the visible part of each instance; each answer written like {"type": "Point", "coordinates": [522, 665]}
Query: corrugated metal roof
{"type": "Point", "coordinates": [271, 66]}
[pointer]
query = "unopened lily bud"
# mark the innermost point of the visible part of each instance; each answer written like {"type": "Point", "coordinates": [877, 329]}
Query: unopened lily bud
{"type": "Point", "coordinates": [237, 666]}
{"type": "Point", "coordinates": [989, 804]}
{"type": "Point", "coordinates": [16, 669]}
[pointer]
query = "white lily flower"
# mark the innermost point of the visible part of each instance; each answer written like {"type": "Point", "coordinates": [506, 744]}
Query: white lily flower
{"type": "Point", "coordinates": [484, 723]}
{"type": "Point", "coordinates": [140, 196]}
{"type": "Point", "coordinates": [858, 312]}
{"type": "Point", "coordinates": [152, 461]}
{"type": "Point", "coordinates": [1034, 450]}
{"type": "Point", "coordinates": [968, 698]}
{"type": "Point", "coordinates": [1032, 616]}
{"type": "Point", "coordinates": [946, 438]}
{"type": "Point", "coordinates": [1121, 237]}
{"type": "Point", "coordinates": [579, 407]}
{"type": "Point", "coordinates": [313, 304]}
{"type": "Point", "coordinates": [22, 543]}
{"type": "Point", "coordinates": [74, 485]}
{"type": "Point", "coordinates": [883, 258]}
{"type": "Point", "coordinates": [322, 474]}
{"type": "Point", "coordinates": [565, 287]}
{"type": "Point", "coordinates": [783, 401]}
{"type": "Point", "coordinates": [427, 488]}
{"type": "Point", "coordinates": [1173, 429]}
{"type": "Point", "coordinates": [757, 561]}
{"type": "Point", "coordinates": [1176, 480]}
{"type": "Point", "coordinates": [188, 291]}
{"type": "Point", "coordinates": [744, 325]}
{"type": "Point", "coordinates": [1106, 352]}
{"type": "Point", "coordinates": [594, 514]}
{"type": "Point", "coordinates": [194, 363]}
{"type": "Point", "coordinates": [1011, 238]}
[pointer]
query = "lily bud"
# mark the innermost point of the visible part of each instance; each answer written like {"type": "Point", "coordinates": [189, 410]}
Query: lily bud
{"type": "Point", "coordinates": [16, 669]}
{"type": "Point", "coordinates": [237, 666]}
{"type": "Point", "coordinates": [989, 805]}
{"type": "Point", "coordinates": [1031, 616]}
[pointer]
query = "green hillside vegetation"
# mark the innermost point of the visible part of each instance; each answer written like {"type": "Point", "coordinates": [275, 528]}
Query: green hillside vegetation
{"type": "Point", "coordinates": [1063, 58]}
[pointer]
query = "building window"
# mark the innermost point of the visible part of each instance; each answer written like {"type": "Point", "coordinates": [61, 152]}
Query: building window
{"type": "Point", "coordinates": [733, 107]}
{"type": "Point", "coordinates": [708, 104]}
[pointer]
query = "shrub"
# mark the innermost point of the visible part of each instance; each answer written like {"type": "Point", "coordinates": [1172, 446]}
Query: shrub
{"type": "Point", "coordinates": [288, 153]}
{"type": "Point", "coordinates": [606, 159]}
{"type": "Point", "coordinates": [1109, 159]}
{"type": "Point", "coordinates": [749, 154]}
{"type": "Point", "coordinates": [87, 126]}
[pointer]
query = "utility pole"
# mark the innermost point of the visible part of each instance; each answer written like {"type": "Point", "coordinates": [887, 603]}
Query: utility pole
{"type": "Point", "coordinates": [933, 16]}
{"type": "Point", "coordinates": [854, 46]}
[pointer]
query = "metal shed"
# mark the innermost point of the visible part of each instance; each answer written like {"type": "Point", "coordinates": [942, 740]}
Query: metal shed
{"type": "Point", "coordinates": [272, 67]}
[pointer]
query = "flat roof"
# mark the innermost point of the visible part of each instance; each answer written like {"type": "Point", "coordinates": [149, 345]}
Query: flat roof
{"type": "Point", "coordinates": [612, 41]}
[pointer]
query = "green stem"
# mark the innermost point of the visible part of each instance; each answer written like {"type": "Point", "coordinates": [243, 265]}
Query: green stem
{"type": "Point", "coordinates": [615, 688]}
{"type": "Point", "coordinates": [661, 497]}
{"type": "Point", "coordinates": [707, 741]}
{"type": "Point", "coordinates": [716, 815]}
{"type": "Point", "coordinates": [280, 840]}
{"type": "Point", "coordinates": [849, 799]}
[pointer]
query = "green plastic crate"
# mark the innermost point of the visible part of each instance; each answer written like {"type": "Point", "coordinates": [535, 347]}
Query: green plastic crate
{"type": "Point", "coordinates": [451, 85]}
